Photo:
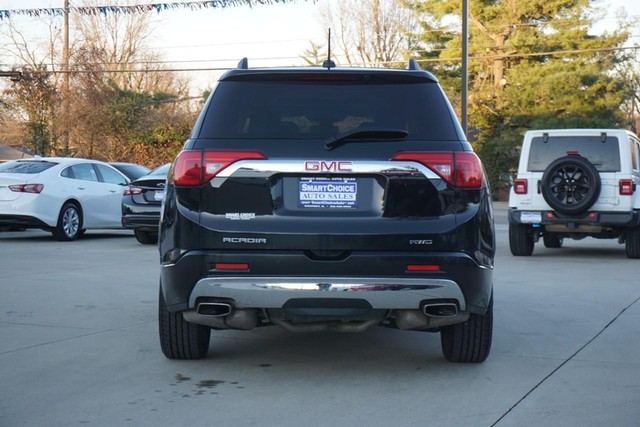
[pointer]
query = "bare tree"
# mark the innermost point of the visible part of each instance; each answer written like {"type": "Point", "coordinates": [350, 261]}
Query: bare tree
{"type": "Point", "coordinates": [369, 32]}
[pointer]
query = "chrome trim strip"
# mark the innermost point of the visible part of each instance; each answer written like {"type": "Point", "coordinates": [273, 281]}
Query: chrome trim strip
{"type": "Point", "coordinates": [266, 168]}
{"type": "Point", "coordinates": [273, 292]}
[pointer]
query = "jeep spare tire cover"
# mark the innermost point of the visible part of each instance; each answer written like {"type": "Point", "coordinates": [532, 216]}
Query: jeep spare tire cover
{"type": "Point", "coordinates": [571, 184]}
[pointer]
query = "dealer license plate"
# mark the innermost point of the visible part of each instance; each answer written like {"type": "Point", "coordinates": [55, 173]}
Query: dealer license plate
{"type": "Point", "coordinates": [531, 217]}
{"type": "Point", "coordinates": [337, 193]}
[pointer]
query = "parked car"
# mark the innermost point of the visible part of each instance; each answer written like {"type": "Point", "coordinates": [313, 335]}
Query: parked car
{"type": "Point", "coordinates": [131, 170]}
{"type": "Point", "coordinates": [65, 196]}
{"type": "Point", "coordinates": [327, 198]}
{"type": "Point", "coordinates": [141, 203]}
{"type": "Point", "coordinates": [576, 183]}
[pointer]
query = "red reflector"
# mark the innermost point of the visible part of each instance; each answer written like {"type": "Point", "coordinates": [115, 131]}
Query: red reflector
{"type": "Point", "coordinates": [550, 215]}
{"type": "Point", "coordinates": [626, 187]}
{"type": "Point", "coordinates": [573, 153]}
{"type": "Point", "coordinates": [423, 267]}
{"type": "Point", "coordinates": [227, 266]}
{"type": "Point", "coordinates": [520, 186]}
{"type": "Point", "coordinates": [462, 169]}
{"type": "Point", "coordinates": [592, 215]}
{"type": "Point", "coordinates": [195, 167]}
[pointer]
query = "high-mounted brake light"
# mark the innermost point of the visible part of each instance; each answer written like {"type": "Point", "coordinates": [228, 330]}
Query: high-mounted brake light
{"type": "Point", "coordinates": [195, 167]}
{"type": "Point", "coordinates": [27, 188]}
{"type": "Point", "coordinates": [520, 186]}
{"type": "Point", "coordinates": [462, 169]}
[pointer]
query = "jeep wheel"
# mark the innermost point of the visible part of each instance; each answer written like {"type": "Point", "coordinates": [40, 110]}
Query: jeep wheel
{"type": "Point", "coordinates": [520, 240]}
{"type": "Point", "coordinates": [632, 243]}
{"type": "Point", "coordinates": [180, 339]}
{"type": "Point", "coordinates": [468, 342]}
{"type": "Point", "coordinates": [571, 185]}
{"type": "Point", "coordinates": [552, 240]}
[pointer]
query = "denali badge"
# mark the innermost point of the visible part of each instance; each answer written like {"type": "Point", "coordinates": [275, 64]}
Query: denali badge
{"type": "Point", "coordinates": [250, 240]}
{"type": "Point", "coordinates": [420, 242]}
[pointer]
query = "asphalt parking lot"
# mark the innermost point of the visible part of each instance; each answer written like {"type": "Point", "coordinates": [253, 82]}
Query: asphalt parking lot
{"type": "Point", "coordinates": [79, 346]}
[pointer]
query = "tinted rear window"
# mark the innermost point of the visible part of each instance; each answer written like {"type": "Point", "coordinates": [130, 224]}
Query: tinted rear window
{"type": "Point", "coordinates": [604, 154]}
{"type": "Point", "coordinates": [30, 167]}
{"type": "Point", "coordinates": [289, 109]}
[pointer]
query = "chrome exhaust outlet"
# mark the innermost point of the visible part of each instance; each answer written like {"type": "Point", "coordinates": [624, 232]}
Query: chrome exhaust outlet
{"type": "Point", "coordinates": [440, 309]}
{"type": "Point", "coordinates": [214, 309]}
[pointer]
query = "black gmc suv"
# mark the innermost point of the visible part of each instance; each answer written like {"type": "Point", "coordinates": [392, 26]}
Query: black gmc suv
{"type": "Point", "coordinates": [327, 198]}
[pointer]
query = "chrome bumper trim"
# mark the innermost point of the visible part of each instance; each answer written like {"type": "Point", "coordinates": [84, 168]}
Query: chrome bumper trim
{"type": "Point", "coordinates": [274, 292]}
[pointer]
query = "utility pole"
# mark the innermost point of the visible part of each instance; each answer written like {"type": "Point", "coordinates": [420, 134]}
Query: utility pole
{"type": "Point", "coordinates": [465, 63]}
{"type": "Point", "coordinates": [65, 89]}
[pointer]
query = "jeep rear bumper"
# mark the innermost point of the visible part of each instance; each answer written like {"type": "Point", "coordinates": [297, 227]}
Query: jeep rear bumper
{"type": "Point", "coordinates": [628, 219]}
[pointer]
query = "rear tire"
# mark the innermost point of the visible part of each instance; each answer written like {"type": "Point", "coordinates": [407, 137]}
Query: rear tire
{"type": "Point", "coordinates": [551, 240]}
{"type": "Point", "coordinates": [69, 225]}
{"type": "Point", "coordinates": [632, 243]}
{"type": "Point", "coordinates": [146, 237]}
{"type": "Point", "coordinates": [520, 240]}
{"type": "Point", "coordinates": [180, 339]}
{"type": "Point", "coordinates": [469, 342]}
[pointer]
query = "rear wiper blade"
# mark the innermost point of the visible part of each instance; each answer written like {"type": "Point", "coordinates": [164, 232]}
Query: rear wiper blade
{"type": "Point", "coordinates": [365, 135]}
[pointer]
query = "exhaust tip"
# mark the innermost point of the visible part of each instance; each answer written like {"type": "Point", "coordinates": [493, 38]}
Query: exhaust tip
{"type": "Point", "coordinates": [441, 309]}
{"type": "Point", "coordinates": [214, 309]}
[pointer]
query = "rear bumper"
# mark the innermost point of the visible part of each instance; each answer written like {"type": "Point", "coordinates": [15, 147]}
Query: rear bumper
{"type": "Point", "coordinates": [147, 222]}
{"type": "Point", "coordinates": [605, 219]}
{"type": "Point", "coordinates": [22, 221]}
{"type": "Point", "coordinates": [380, 293]}
{"type": "Point", "coordinates": [380, 278]}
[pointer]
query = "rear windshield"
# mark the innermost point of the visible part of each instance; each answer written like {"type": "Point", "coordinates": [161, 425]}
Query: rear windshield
{"type": "Point", "coordinates": [289, 109]}
{"type": "Point", "coordinates": [603, 153]}
{"type": "Point", "coordinates": [26, 166]}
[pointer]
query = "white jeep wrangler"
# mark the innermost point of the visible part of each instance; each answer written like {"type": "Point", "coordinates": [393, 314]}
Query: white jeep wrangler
{"type": "Point", "coordinates": [576, 183]}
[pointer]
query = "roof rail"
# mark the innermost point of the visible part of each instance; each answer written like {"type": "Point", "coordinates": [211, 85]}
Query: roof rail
{"type": "Point", "coordinates": [243, 64]}
{"type": "Point", "coordinates": [413, 65]}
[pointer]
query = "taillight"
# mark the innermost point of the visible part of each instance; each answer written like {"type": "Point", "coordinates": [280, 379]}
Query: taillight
{"type": "Point", "coordinates": [195, 167]}
{"type": "Point", "coordinates": [626, 187]}
{"type": "Point", "coordinates": [27, 188]}
{"type": "Point", "coordinates": [520, 186]}
{"type": "Point", "coordinates": [131, 190]}
{"type": "Point", "coordinates": [462, 169]}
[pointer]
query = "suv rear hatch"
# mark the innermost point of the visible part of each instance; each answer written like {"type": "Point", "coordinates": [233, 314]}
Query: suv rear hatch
{"type": "Point", "coordinates": [360, 151]}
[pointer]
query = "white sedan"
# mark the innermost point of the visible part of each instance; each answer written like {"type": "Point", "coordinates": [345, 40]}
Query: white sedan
{"type": "Point", "coordinates": [63, 195]}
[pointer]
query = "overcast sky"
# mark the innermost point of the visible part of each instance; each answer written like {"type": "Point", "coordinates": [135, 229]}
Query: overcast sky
{"type": "Point", "coordinates": [268, 35]}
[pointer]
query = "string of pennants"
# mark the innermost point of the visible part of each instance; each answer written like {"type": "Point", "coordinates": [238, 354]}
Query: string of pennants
{"type": "Point", "coordinates": [140, 8]}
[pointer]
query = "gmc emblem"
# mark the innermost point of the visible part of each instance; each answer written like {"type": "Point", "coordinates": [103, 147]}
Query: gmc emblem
{"type": "Point", "coordinates": [322, 166]}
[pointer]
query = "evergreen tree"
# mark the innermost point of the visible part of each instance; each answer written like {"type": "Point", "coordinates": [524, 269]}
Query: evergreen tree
{"type": "Point", "coordinates": [532, 64]}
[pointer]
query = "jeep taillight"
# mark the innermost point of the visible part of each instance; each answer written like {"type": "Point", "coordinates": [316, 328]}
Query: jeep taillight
{"type": "Point", "coordinates": [195, 167]}
{"type": "Point", "coordinates": [626, 186]}
{"type": "Point", "coordinates": [520, 186]}
{"type": "Point", "coordinates": [462, 169]}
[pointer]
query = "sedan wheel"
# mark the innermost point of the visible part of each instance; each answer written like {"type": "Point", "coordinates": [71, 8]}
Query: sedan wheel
{"type": "Point", "coordinates": [69, 223]}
